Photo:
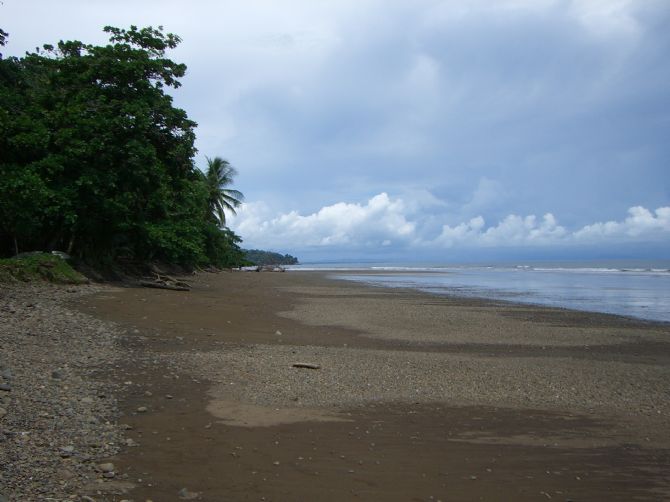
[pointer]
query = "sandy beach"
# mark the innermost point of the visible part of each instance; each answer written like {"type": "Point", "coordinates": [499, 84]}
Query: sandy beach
{"type": "Point", "coordinates": [415, 397]}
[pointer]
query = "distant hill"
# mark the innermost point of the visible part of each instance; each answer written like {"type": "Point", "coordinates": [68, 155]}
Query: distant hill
{"type": "Point", "coordinates": [260, 257]}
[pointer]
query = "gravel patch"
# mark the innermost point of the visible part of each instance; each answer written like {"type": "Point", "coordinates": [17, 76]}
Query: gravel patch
{"type": "Point", "coordinates": [265, 375]}
{"type": "Point", "coordinates": [418, 320]}
{"type": "Point", "coordinates": [57, 414]}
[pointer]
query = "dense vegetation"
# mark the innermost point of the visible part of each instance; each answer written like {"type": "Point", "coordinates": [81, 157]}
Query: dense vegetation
{"type": "Point", "coordinates": [260, 257]}
{"type": "Point", "coordinates": [95, 160]}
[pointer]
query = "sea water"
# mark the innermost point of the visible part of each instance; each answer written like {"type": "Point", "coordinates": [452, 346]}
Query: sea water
{"type": "Point", "coordinates": [629, 288]}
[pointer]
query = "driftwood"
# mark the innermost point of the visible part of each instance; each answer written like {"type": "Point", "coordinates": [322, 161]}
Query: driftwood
{"type": "Point", "coordinates": [163, 285]}
{"type": "Point", "coordinates": [166, 282]}
{"type": "Point", "coordinates": [309, 366]}
{"type": "Point", "coordinates": [176, 282]}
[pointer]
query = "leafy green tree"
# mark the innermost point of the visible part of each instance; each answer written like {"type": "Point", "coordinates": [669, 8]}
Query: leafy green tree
{"type": "Point", "coordinates": [96, 160]}
{"type": "Point", "coordinates": [95, 126]}
{"type": "Point", "coordinates": [220, 199]}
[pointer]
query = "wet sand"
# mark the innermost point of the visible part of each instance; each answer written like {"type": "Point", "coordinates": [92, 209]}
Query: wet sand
{"type": "Point", "coordinates": [417, 397]}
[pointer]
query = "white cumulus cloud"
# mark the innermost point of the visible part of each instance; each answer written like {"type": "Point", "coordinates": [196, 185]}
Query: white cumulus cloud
{"type": "Point", "coordinates": [641, 222]}
{"type": "Point", "coordinates": [385, 221]}
{"type": "Point", "coordinates": [379, 222]}
{"type": "Point", "coordinates": [513, 230]}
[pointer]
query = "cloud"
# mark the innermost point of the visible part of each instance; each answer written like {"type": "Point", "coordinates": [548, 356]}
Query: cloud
{"type": "Point", "coordinates": [499, 108]}
{"type": "Point", "coordinates": [640, 223]}
{"type": "Point", "coordinates": [380, 221]}
{"type": "Point", "coordinates": [512, 231]}
{"type": "Point", "coordinates": [385, 221]}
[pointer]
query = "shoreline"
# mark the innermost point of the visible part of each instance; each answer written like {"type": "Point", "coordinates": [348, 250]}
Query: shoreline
{"type": "Point", "coordinates": [228, 416]}
{"type": "Point", "coordinates": [448, 292]}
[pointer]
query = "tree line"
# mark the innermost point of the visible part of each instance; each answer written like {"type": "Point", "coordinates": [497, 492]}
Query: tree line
{"type": "Point", "coordinates": [95, 159]}
{"type": "Point", "coordinates": [261, 257]}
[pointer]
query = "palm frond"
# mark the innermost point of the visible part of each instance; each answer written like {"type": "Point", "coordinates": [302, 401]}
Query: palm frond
{"type": "Point", "coordinates": [220, 174]}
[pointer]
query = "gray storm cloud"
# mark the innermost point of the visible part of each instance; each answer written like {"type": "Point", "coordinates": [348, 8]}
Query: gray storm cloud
{"type": "Point", "coordinates": [513, 107]}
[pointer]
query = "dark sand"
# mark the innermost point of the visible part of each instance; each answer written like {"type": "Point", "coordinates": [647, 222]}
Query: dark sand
{"type": "Point", "coordinates": [417, 398]}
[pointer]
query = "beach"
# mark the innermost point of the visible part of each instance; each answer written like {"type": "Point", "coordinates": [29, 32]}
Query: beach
{"type": "Point", "coordinates": [399, 395]}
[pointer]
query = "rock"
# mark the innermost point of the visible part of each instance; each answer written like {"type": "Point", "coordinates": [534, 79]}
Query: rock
{"type": "Point", "coordinates": [7, 374]}
{"type": "Point", "coordinates": [3, 412]}
{"type": "Point", "coordinates": [87, 400]}
{"type": "Point", "coordinates": [65, 474]}
{"type": "Point", "coordinates": [56, 375]}
{"type": "Point", "coordinates": [86, 498]}
{"type": "Point", "coordinates": [5, 387]}
{"type": "Point", "coordinates": [66, 451]}
{"type": "Point", "coordinates": [62, 255]}
{"type": "Point", "coordinates": [277, 332]}
{"type": "Point", "coordinates": [142, 409]}
{"type": "Point", "coordinates": [106, 467]}
{"type": "Point", "coordinates": [185, 494]}
{"type": "Point", "coordinates": [168, 396]}
{"type": "Point", "coordinates": [108, 475]}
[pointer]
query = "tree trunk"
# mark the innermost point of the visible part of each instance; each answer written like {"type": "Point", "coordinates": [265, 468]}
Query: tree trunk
{"type": "Point", "coordinates": [70, 246]}
{"type": "Point", "coordinates": [16, 246]}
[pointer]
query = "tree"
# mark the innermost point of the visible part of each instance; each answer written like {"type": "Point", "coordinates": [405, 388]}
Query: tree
{"type": "Point", "coordinates": [220, 199]}
{"type": "Point", "coordinates": [91, 130]}
{"type": "Point", "coordinates": [96, 160]}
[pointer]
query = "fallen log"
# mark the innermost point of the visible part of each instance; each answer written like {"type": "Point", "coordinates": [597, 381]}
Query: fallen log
{"type": "Point", "coordinates": [171, 280]}
{"type": "Point", "coordinates": [163, 285]}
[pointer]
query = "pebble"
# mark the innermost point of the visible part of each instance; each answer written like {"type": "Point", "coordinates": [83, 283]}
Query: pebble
{"type": "Point", "coordinates": [5, 387]}
{"type": "Point", "coordinates": [56, 375]}
{"type": "Point", "coordinates": [142, 409]}
{"type": "Point", "coordinates": [106, 467]}
{"type": "Point", "coordinates": [66, 474]}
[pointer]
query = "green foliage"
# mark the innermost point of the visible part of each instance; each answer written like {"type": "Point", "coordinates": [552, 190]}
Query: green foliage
{"type": "Point", "coordinates": [39, 266]}
{"type": "Point", "coordinates": [260, 257]}
{"type": "Point", "coordinates": [220, 199]}
{"type": "Point", "coordinates": [223, 248]}
{"type": "Point", "coordinates": [96, 160]}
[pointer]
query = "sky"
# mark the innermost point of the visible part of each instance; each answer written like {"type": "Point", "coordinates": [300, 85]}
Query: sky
{"type": "Point", "coordinates": [418, 130]}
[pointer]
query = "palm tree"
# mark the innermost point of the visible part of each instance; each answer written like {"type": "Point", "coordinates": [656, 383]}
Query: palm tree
{"type": "Point", "coordinates": [219, 175]}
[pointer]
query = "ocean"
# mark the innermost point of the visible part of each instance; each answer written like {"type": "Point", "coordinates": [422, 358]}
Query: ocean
{"type": "Point", "coordinates": [638, 289]}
